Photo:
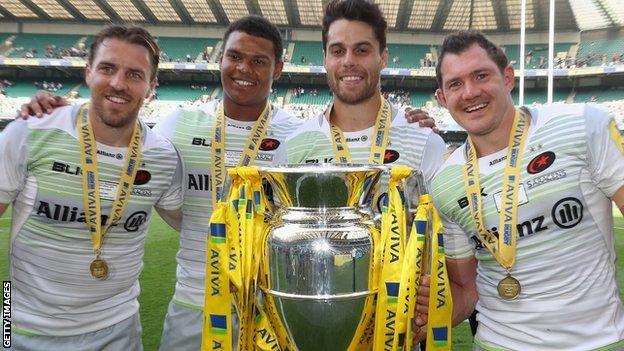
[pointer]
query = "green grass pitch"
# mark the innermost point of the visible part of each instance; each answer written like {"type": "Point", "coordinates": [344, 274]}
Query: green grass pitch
{"type": "Point", "coordinates": [158, 277]}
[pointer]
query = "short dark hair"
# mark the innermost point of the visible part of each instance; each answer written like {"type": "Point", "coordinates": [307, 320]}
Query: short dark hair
{"type": "Point", "coordinates": [257, 26]}
{"type": "Point", "coordinates": [131, 34]}
{"type": "Point", "coordinates": [460, 41]}
{"type": "Point", "coordinates": [356, 10]}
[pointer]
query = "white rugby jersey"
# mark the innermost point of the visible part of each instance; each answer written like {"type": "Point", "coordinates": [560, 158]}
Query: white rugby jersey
{"type": "Point", "coordinates": [408, 145]}
{"type": "Point", "coordinates": [565, 248]}
{"type": "Point", "coordinates": [191, 132]}
{"type": "Point", "coordinates": [51, 250]}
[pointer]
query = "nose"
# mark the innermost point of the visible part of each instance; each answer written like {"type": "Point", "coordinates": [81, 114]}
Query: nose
{"type": "Point", "coordinates": [471, 90]}
{"type": "Point", "coordinates": [349, 58]}
{"type": "Point", "coordinates": [118, 81]}
{"type": "Point", "coordinates": [243, 66]}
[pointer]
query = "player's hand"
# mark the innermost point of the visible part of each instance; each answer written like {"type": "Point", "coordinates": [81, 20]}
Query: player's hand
{"type": "Point", "coordinates": [419, 324]}
{"type": "Point", "coordinates": [422, 117]}
{"type": "Point", "coordinates": [42, 102]}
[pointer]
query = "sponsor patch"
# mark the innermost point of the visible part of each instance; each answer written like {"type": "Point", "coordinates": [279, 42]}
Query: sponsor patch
{"type": "Point", "coordinates": [269, 144]}
{"type": "Point", "coordinates": [541, 162]}
{"type": "Point", "coordinates": [142, 177]}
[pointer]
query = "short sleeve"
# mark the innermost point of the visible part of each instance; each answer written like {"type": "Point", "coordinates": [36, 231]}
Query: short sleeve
{"type": "Point", "coordinates": [166, 126]}
{"type": "Point", "coordinates": [13, 160]}
{"type": "Point", "coordinates": [172, 198]}
{"type": "Point", "coordinates": [433, 156]}
{"type": "Point", "coordinates": [457, 245]}
{"type": "Point", "coordinates": [606, 160]}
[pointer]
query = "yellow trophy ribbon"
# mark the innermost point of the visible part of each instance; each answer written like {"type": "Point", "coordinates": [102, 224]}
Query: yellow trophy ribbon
{"type": "Point", "coordinates": [393, 237]}
{"type": "Point", "coordinates": [616, 136]}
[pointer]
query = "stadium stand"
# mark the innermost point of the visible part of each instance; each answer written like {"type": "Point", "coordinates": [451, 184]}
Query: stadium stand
{"type": "Point", "coordinates": [539, 96]}
{"type": "Point", "coordinates": [598, 95]}
{"type": "Point", "coordinates": [44, 45]}
{"type": "Point", "coordinates": [538, 54]}
{"type": "Point", "coordinates": [406, 56]}
{"type": "Point", "coordinates": [592, 50]}
{"type": "Point", "coordinates": [177, 49]}
{"type": "Point", "coordinates": [307, 53]}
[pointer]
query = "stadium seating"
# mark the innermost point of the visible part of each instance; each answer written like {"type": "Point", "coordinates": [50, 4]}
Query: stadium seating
{"type": "Point", "coordinates": [598, 95]}
{"type": "Point", "coordinates": [181, 92]}
{"type": "Point", "coordinates": [322, 97]}
{"type": "Point", "coordinates": [598, 47]}
{"type": "Point", "coordinates": [178, 48]}
{"type": "Point", "coordinates": [539, 96]}
{"type": "Point", "coordinates": [39, 42]}
{"type": "Point", "coordinates": [419, 98]}
{"type": "Point", "coordinates": [537, 50]}
{"type": "Point", "coordinates": [311, 50]}
{"type": "Point", "coordinates": [409, 55]}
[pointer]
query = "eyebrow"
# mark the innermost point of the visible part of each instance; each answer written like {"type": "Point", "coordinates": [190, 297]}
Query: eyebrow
{"type": "Point", "coordinates": [360, 43]}
{"type": "Point", "coordinates": [133, 69]}
{"type": "Point", "coordinates": [234, 51]}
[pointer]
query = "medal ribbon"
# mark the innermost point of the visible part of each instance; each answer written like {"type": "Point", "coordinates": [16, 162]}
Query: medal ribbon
{"type": "Point", "coordinates": [91, 182]}
{"type": "Point", "coordinates": [250, 151]}
{"type": "Point", "coordinates": [616, 136]}
{"type": "Point", "coordinates": [503, 250]}
{"type": "Point", "coordinates": [380, 137]}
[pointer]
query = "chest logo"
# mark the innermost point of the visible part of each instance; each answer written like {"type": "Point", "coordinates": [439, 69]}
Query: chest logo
{"type": "Point", "coordinates": [142, 177]}
{"type": "Point", "coordinates": [391, 156]}
{"type": "Point", "coordinates": [567, 213]}
{"type": "Point", "coordinates": [541, 162]}
{"type": "Point", "coordinates": [269, 144]}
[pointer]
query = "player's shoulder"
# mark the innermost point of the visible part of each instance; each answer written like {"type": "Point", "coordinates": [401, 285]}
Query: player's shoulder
{"type": "Point", "coordinates": [59, 118]}
{"type": "Point", "coordinates": [284, 119]}
{"type": "Point", "coordinates": [156, 142]}
{"type": "Point", "coordinates": [580, 113]}
{"type": "Point", "coordinates": [312, 126]}
{"type": "Point", "coordinates": [400, 123]}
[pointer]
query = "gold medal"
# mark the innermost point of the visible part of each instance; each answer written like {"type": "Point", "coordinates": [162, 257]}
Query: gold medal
{"type": "Point", "coordinates": [99, 268]}
{"type": "Point", "coordinates": [509, 288]}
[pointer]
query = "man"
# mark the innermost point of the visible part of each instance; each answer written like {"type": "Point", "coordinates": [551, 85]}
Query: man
{"type": "Point", "coordinates": [82, 185]}
{"type": "Point", "coordinates": [354, 42]}
{"type": "Point", "coordinates": [532, 188]}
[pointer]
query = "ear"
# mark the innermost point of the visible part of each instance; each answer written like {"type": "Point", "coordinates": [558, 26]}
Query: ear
{"type": "Point", "coordinates": [152, 88]}
{"type": "Point", "coordinates": [440, 97]}
{"type": "Point", "coordinates": [87, 72]}
{"type": "Point", "coordinates": [509, 77]}
{"type": "Point", "coordinates": [384, 58]}
{"type": "Point", "coordinates": [279, 65]}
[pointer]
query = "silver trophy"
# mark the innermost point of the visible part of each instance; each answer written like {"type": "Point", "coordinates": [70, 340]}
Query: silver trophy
{"type": "Point", "coordinates": [320, 250]}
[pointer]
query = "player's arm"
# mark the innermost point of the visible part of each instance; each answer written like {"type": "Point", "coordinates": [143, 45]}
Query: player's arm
{"type": "Point", "coordinates": [618, 198]}
{"type": "Point", "coordinates": [42, 102]}
{"type": "Point", "coordinates": [171, 217]}
{"type": "Point", "coordinates": [3, 208]}
{"type": "Point", "coordinates": [462, 276]}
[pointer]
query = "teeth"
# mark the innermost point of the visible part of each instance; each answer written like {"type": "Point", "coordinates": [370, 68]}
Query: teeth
{"type": "Point", "coordinates": [243, 82]}
{"type": "Point", "coordinates": [350, 78]}
{"type": "Point", "coordinates": [117, 99]}
{"type": "Point", "coordinates": [476, 107]}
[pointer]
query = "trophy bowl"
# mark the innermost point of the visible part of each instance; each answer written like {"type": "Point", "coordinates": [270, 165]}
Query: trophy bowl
{"type": "Point", "coordinates": [320, 250]}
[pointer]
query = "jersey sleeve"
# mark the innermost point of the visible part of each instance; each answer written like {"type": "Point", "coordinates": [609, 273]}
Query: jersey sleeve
{"type": "Point", "coordinates": [166, 126]}
{"type": "Point", "coordinates": [13, 160]}
{"type": "Point", "coordinates": [606, 160]}
{"type": "Point", "coordinates": [457, 245]}
{"type": "Point", "coordinates": [172, 198]}
{"type": "Point", "coordinates": [433, 156]}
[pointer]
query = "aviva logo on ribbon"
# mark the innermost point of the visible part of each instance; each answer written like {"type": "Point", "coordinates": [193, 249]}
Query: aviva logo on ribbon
{"type": "Point", "coordinates": [218, 324]}
{"type": "Point", "coordinates": [440, 337]}
{"type": "Point", "coordinates": [217, 233]}
{"type": "Point", "coordinates": [392, 290]}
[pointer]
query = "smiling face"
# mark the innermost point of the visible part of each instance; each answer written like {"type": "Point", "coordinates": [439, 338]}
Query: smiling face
{"type": "Point", "coordinates": [248, 68]}
{"type": "Point", "coordinates": [120, 78]}
{"type": "Point", "coordinates": [475, 91]}
{"type": "Point", "coordinates": [353, 61]}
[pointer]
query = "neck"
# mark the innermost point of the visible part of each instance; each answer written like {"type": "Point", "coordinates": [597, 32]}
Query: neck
{"type": "Point", "coordinates": [353, 118]}
{"type": "Point", "coordinates": [116, 137]}
{"type": "Point", "coordinates": [240, 112]}
{"type": "Point", "coordinates": [496, 140]}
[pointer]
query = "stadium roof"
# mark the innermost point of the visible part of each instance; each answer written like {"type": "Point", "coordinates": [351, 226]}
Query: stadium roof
{"type": "Point", "coordinates": [402, 15]}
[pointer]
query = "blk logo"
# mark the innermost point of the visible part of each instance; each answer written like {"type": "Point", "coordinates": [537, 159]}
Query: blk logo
{"type": "Point", "coordinates": [135, 221]}
{"type": "Point", "coordinates": [390, 156]}
{"type": "Point", "coordinates": [567, 212]}
{"type": "Point", "coordinates": [269, 144]}
{"type": "Point", "coordinates": [541, 162]}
